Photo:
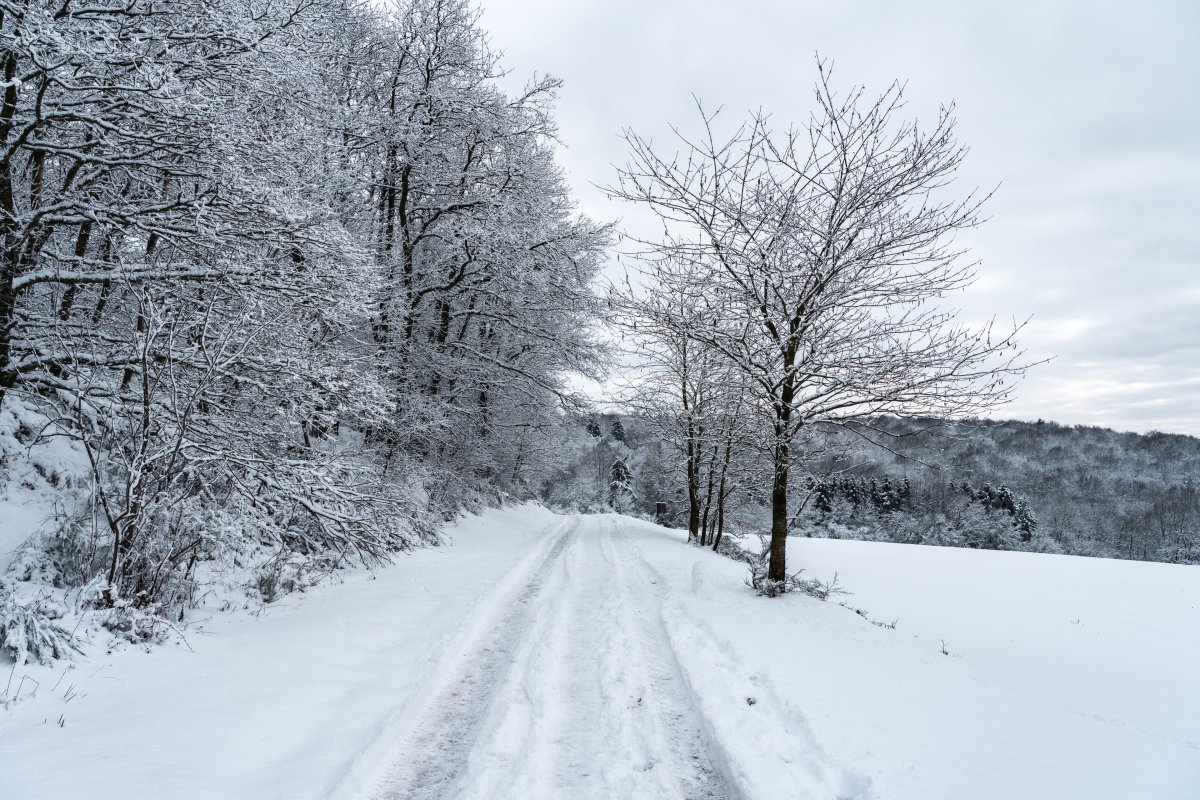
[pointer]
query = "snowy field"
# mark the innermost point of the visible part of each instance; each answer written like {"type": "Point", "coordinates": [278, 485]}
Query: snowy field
{"type": "Point", "coordinates": [598, 657]}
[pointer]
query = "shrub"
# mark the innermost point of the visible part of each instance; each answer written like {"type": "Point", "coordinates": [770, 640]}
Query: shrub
{"type": "Point", "coordinates": [31, 631]}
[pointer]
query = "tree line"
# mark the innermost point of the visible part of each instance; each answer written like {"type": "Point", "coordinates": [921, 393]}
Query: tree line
{"type": "Point", "coordinates": [297, 277]}
{"type": "Point", "coordinates": [979, 483]}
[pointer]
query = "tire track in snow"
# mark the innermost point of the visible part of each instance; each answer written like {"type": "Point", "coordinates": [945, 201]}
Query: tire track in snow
{"type": "Point", "coordinates": [576, 694]}
{"type": "Point", "coordinates": [433, 764]}
{"type": "Point", "coordinates": [594, 710]}
{"type": "Point", "coordinates": [750, 740]}
{"type": "Point", "coordinates": [689, 746]}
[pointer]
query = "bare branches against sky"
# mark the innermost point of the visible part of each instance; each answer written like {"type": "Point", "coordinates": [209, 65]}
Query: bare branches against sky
{"type": "Point", "coordinates": [1084, 114]}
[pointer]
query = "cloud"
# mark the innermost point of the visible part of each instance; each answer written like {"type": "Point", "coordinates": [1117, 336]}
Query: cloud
{"type": "Point", "coordinates": [1080, 111]}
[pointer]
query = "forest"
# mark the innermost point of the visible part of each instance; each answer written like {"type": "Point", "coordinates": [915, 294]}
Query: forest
{"type": "Point", "coordinates": [282, 283]}
{"type": "Point", "coordinates": [980, 483]}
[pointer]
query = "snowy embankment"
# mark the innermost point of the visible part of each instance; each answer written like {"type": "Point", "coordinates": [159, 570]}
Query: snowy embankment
{"type": "Point", "coordinates": [541, 656]}
{"type": "Point", "coordinates": [39, 476]}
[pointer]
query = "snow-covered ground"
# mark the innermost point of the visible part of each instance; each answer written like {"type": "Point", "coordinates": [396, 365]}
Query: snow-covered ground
{"type": "Point", "coordinates": [39, 476]}
{"type": "Point", "coordinates": [599, 657]}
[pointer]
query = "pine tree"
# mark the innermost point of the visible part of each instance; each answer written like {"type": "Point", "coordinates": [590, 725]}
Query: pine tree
{"type": "Point", "coordinates": [887, 497]}
{"type": "Point", "coordinates": [620, 488]}
{"type": "Point", "coordinates": [823, 498]}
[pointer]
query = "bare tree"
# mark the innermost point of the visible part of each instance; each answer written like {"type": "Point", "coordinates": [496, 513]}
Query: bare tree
{"type": "Point", "coordinates": [823, 252]}
{"type": "Point", "coordinates": [692, 396]}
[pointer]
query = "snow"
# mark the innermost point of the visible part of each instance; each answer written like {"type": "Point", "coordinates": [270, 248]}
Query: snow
{"type": "Point", "coordinates": [22, 517]}
{"type": "Point", "coordinates": [36, 479]}
{"type": "Point", "coordinates": [541, 656]}
{"type": "Point", "coordinates": [1068, 677]}
{"type": "Point", "coordinates": [282, 705]}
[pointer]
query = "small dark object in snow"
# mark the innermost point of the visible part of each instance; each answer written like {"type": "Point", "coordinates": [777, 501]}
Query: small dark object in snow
{"type": "Point", "coordinates": [750, 701]}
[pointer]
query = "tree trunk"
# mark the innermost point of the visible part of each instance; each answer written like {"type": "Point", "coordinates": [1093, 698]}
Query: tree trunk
{"type": "Point", "coordinates": [716, 543]}
{"type": "Point", "coordinates": [777, 569]}
{"type": "Point", "coordinates": [8, 268]}
{"type": "Point", "coordinates": [693, 483]}
{"type": "Point", "coordinates": [81, 245]}
{"type": "Point", "coordinates": [708, 524]}
{"type": "Point", "coordinates": [722, 492]}
{"type": "Point", "coordinates": [8, 307]}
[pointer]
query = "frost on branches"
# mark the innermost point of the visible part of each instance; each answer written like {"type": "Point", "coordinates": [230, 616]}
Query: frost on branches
{"type": "Point", "coordinates": [295, 281]}
{"type": "Point", "coordinates": [805, 263]}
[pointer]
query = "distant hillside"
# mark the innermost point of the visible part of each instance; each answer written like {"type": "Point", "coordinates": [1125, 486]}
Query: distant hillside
{"type": "Point", "coordinates": [1001, 484]}
{"type": "Point", "coordinates": [1092, 490]}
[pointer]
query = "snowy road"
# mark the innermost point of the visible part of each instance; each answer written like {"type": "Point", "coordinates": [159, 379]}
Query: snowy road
{"type": "Point", "coordinates": [544, 657]}
{"type": "Point", "coordinates": [574, 692]}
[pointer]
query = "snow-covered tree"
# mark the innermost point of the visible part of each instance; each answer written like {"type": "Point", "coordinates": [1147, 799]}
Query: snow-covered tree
{"type": "Point", "coordinates": [297, 276]}
{"type": "Point", "coordinates": [828, 246]}
{"type": "Point", "coordinates": [686, 391]}
{"type": "Point", "coordinates": [620, 486]}
{"type": "Point", "coordinates": [484, 266]}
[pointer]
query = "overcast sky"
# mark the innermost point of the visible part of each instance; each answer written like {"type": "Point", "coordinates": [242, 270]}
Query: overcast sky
{"type": "Point", "coordinates": [1087, 114]}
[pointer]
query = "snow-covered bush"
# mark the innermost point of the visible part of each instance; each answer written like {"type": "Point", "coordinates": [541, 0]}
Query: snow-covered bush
{"type": "Point", "coordinates": [30, 630]}
{"type": "Point", "coordinates": [730, 546]}
{"type": "Point", "coordinates": [138, 625]}
{"type": "Point", "coordinates": [759, 580]}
